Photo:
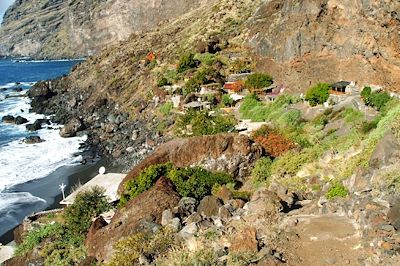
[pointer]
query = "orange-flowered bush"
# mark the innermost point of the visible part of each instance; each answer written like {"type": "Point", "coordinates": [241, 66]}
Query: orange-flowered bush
{"type": "Point", "coordinates": [274, 143]}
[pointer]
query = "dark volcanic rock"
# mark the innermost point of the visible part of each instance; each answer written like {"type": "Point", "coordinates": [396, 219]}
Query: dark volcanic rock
{"type": "Point", "coordinates": [33, 140]}
{"type": "Point", "coordinates": [19, 120]}
{"type": "Point", "coordinates": [8, 119]}
{"type": "Point", "coordinates": [147, 208]}
{"type": "Point", "coordinates": [71, 128]}
{"type": "Point", "coordinates": [35, 126]}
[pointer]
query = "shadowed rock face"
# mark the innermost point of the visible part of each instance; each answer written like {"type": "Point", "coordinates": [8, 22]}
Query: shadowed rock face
{"type": "Point", "coordinates": [69, 28]}
{"type": "Point", "coordinates": [304, 42]}
{"type": "Point", "coordinates": [230, 153]}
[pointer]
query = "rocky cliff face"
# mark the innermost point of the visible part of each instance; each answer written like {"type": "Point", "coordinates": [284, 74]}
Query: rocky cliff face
{"type": "Point", "coordinates": [303, 42]}
{"type": "Point", "coordinates": [70, 28]}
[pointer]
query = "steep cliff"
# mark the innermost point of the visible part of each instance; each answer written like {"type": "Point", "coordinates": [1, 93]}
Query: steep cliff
{"type": "Point", "coordinates": [70, 28]}
{"type": "Point", "coordinates": [303, 42]}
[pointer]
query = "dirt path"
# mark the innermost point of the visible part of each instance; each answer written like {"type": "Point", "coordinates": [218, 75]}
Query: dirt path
{"type": "Point", "coordinates": [326, 240]}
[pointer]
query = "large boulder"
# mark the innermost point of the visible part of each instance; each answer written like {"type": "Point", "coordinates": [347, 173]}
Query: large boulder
{"type": "Point", "coordinates": [71, 128]}
{"type": "Point", "coordinates": [386, 152]}
{"type": "Point", "coordinates": [145, 209]}
{"type": "Point", "coordinates": [35, 126]}
{"type": "Point", "coordinates": [19, 120]}
{"type": "Point", "coordinates": [33, 140]}
{"type": "Point", "coordinates": [231, 153]}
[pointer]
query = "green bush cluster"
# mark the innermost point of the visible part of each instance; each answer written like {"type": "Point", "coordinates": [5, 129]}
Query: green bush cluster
{"type": "Point", "coordinates": [144, 181]}
{"type": "Point", "coordinates": [202, 76]}
{"type": "Point", "coordinates": [252, 108]}
{"type": "Point", "coordinates": [262, 170]}
{"type": "Point", "coordinates": [66, 246]}
{"type": "Point", "coordinates": [202, 123]}
{"type": "Point", "coordinates": [337, 190]}
{"type": "Point", "coordinates": [186, 62]}
{"type": "Point", "coordinates": [227, 100]}
{"type": "Point", "coordinates": [197, 182]}
{"type": "Point", "coordinates": [206, 58]}
{"type": "Point", "coordinates": [166, 108]}
{"type": "Point", "coordinates": [189, 182]}
{"type": "Point", "coordinates": [163, 81]}
{"type": "Point", "coordinates": [318, 94]}
{"type": "Point", "coordinates": [258, 81]}
{"type": "Point", "coordinates": [35, 237]}
{"type": "Point", "coordinates": [375, 99]}
{"type": "Point", "coordinates": [87, 205]}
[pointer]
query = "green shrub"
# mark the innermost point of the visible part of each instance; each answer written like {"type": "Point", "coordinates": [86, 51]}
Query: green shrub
{"type": "Point", "coordinates": [375, 99]}
{"type": "Point", "coordinates": [186, 62]}
{"type": "Point", "coordinates": [258, 81]}
{"type": "Point", "coordinates": [166, 108]}
{"type": "Point", "coordinates": [206, 58]}
{"type": "Point", "coordinates": [366, 126]}
{"type": "Point", "coordinates": [163, 82]}
{"type": "Point", "coordinates": [379, 100]}
{"type": "Point", "coordinates": [63, 252]}
{"type": "Point", "coordinates": [366, 93]}
{"type": "Point", "coordinates": [318, 94]}
{"type": "Point", "coordinates": [87, 205]}
{"type": "Point", "coordinates": [127, 251]}
{"type": "Point", "coordinates": [337, 190]}
{"type": "Point", "coordinates": [202, 123]}
{"type": "Point", "coordinates": [291, 162]}
{"type": "Point", "coordinates": [144, 181]}
{"type": "Point", "coordinates": [352, 116]}
{"type": "Point", "coordinates": [189, 182]}
{"type": "Point", "coordinates": [34, 237]}
{"type": "Point", "coordinates": [262, 170]}
{"type": "Point", "coordinates": [291, 118]}
{"type": "Point", "coordinates": [252, 108]}
{"type": "Point", "coordinates": [227, 100]}
{"type": "Point", "coordinates": [197, 182]}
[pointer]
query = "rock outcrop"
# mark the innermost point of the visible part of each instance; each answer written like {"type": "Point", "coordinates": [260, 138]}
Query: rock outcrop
{"type": "Point", "coordinates": [65, 28]}
{"type": "Point", "coordinates": [139, 214]}
{"type": "Point", "coordinates": [230, 153]}
{"type": "Point", "coordinates": [304, 42]}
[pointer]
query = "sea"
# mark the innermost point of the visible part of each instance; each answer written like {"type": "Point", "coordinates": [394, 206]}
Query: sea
{"type": "Point", "coordinates": [24, 167]}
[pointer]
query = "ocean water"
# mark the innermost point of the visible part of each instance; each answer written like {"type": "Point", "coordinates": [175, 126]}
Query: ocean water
{"type": "Point", "coordinates": [21, 163]}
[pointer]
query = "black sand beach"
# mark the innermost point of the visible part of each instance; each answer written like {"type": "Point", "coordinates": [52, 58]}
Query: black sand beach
{"type": "Point", "coordinates": [48, 189]}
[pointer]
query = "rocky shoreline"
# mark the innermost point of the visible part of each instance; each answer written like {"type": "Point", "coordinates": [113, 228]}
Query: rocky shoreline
{"type": "Point", "coordinates": [111, 133]}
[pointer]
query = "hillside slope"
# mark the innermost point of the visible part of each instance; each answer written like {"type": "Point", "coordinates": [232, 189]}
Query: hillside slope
{"type": "Point", "coordinates": [70, 28]}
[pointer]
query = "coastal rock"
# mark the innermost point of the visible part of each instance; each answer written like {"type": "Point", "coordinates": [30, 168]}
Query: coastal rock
{"type": "Point", "coordinates": [71, 128]}
{"type": "Point", "coordinates": [35, 126]}
{"type": "Point", "coordinates": [19, 120]}
{"type": "Point", "coordinates": [230, 153]}
{"type": "Point", "coordinates": [8, 119]}
{"type": "Point", "coordinates": [147, 207]}
{"type": "Point", "coordinates": [33, 140]}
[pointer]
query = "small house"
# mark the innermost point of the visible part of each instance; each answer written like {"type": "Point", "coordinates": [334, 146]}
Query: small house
{"type": "Point", "coordinates": [340, 87]}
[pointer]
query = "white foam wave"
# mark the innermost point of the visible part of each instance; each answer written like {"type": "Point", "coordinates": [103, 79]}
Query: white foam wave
{"type": "Point", "coordinates": [20, 162]}
{"type": "Point", "coordinates": [9, 199]}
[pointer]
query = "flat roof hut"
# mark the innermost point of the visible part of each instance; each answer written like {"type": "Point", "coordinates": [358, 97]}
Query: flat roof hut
{"type": "Point", "coordinates": [340, 86]}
